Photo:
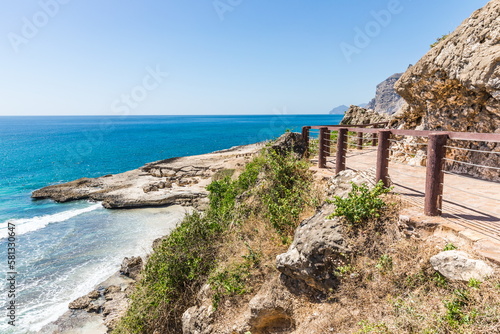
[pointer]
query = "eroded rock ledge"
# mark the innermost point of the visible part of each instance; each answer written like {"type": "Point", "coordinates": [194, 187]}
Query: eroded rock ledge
{"type": "Point", "coordinates": [175, 181]}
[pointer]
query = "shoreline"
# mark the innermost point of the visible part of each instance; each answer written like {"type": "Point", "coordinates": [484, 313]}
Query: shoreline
{"type": "Point", "coordinates": [129, 190]}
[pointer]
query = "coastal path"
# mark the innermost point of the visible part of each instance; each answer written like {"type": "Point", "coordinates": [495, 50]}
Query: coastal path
{"type": "Point", "coordinates": [437, 173]}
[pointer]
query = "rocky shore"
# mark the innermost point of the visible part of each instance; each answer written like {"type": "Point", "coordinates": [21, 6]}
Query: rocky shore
{"type": "Point", "coordinates": [180, 181]}
{"type": "Point", "coordinates": [175, 181]}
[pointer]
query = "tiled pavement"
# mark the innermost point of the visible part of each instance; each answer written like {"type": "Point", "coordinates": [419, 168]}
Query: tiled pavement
{"type": "Point", "coordinates": [471, 207]}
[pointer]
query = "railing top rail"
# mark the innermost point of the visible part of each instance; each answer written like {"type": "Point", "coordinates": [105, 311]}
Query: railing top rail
{"type": "Point", "coordinates": [470, 136]}
{"type": "Point", "coordinates": [330, 127]}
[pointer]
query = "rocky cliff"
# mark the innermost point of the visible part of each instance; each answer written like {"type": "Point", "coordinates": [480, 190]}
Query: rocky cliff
{"type": "Point", "coordinates": [456, 87]}
{"type": "Point", "coordinates": [358, 115]}
{"type": "Point", "coordinates": [386, 99]}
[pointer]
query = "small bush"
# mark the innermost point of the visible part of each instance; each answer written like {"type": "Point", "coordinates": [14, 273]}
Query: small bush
{"type": "Point", "coordinates": [287, 191]}
{"type": "Point", "coordinates": [178, 265]}
{"type": "Point", "coordinates": [455, 309]}
{"type": "Point", "coordinates": [438, 40]}
{"type": "Point", "coordinates": [384, 264]}
{"type": "Point", "coordinates": [474, 283]}
{"type": "Point", "coordinates": [361, 203]}
{"type": "Point", "coordinates": [449, 246]}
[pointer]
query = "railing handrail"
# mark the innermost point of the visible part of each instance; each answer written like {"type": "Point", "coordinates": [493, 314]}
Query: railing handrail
{"type": "Point", "coordinates": [470, 136]}
{"type": "Point", "coordinates": [317, 127]}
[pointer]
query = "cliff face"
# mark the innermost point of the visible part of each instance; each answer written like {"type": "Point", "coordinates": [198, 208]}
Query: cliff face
{"type": "Point", "coordinates": [357, 115]}
{"type": "Point", "coordinates": [386, 99]}
{"type": "Point", "coordinates": [456, 85]}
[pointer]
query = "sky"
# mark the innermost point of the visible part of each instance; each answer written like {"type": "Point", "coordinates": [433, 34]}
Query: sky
{"type": "Point", "coordinates": [180, 57]}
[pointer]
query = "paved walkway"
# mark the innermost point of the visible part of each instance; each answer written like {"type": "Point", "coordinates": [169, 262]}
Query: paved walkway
{"type": "Point", "coordinates": [471, 207]}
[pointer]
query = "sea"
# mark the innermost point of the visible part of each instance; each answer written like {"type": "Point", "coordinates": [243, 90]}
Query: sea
{"type": "Point", "coordinates": [52, 253]}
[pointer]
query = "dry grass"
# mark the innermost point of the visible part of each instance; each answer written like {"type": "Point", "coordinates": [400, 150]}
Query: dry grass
{"type": "Point", "coordinates": [388, 286]}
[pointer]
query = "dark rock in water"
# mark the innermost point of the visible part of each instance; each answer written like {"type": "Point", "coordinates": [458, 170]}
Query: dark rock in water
{"type": "Point", "coordinates": [131, 267]}
{"type": "Point", "coordinates": [290, 141]}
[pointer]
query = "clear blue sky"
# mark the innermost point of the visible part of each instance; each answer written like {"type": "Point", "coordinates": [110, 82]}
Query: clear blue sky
{"type": "Point", "coordinates": [77, 57]}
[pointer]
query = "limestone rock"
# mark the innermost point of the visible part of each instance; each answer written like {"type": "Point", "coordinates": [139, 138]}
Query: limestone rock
{"type": "Point", "coordinates": [271, 310]}
{"type": "Point", "coordinates": [312, 257]}
{"type": "Point", "coordinates": [290, 141]}
{"type": "Point", "coordinates": [458, 265]}
{"type": "Point", "coordinates": [80, 303]}
{"type": "Point", "coordinates": [319, 247]}
{"type": "Point", "coordinates": [153, 184]}
{"type": "Point", "coordinates": [456, 87]}
{"type": "Point", "coordinates": [114, 307]}
{"type": "Point", "coordinates": [357, 115]}
{"type": "Point", "coordinates": [387, 100]}
{"type": "Point", "coordinates": [198, 319]}
{"type": "Point", "coordinates": [131, 267]}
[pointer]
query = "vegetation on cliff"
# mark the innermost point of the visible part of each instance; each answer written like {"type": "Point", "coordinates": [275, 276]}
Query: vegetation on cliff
{"type": "Point", "coordinates": [269, 194]}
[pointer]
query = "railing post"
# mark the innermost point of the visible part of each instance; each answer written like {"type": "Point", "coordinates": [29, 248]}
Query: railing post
{"type": "Point", "coordinates": [374, 139]}
{"type": "Point", "coordinates": [321, 152]}
{"type": "Point", "coordinates": [434, 174]}
{"type": "Point", "coordinates": [341, 150]}
{"type": "Point", "coordinates": [360, 141]}
{"type": "Point", "coordinates": [305, 137]}
{"type": "Point", "coordinates": [382, 173]}
{"type": "Point", "coordinates": [328, 136]}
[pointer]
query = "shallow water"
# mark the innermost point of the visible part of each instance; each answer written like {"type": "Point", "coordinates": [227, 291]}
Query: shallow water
{"type": "Point", "coordinates": [64, 250]}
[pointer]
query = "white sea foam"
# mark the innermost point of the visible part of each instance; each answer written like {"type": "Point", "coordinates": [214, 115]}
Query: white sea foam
{"type": "Point", "coordinates": [26, 225]}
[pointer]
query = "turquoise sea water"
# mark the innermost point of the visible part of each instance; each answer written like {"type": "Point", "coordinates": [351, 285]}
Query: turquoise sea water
{"type": "Point", "coordinates": [63, 250]}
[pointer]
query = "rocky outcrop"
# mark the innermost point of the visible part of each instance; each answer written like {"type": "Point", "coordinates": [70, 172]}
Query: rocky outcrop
{"type": "Point", "coordinates": [131, 267]}
{"type": "Point", "coordinates": [319, 246]}
{"type": "Point", "coordinates": [386, 99]}
{"type": "Point", "coordinates": [358, 115]}
{"type": "Point", "coordinates": [456, 87]}
{"type": "Point", "coordinates": [458, 265]}
{"type": "Point", "coordinates": [290, 142]}
{"type": "Point", "coordinates": [180, 181]}
{"type": "Point", "coordinates": [316, 251]}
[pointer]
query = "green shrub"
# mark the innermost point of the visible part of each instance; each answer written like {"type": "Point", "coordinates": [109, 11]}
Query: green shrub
{"type": "Point", "coordinates": [177, 266]}
{"type": "Point", "coordinates": [455, 309]}
{"type": "Point", "coordinates": [384, 264]}
{"type": "Point", "coordinates": [187, 258]}
{"type": "Point", "coordinates": [474, 283]}
{"type": "Point", "coordinates": [449, 246]}
{"type": "Point", "coordinates": [361, 204]}
{"type": "Point", "coordinates": [231, 280]}
{"type": "Point", "coordinates": [286, 193]}
{"type": "Point", "coordinates": [438, 40]}
{"type": "Point", "coordinates": [222, 198]}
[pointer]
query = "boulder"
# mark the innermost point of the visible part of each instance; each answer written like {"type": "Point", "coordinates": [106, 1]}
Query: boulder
{"type": "Point", "coordinates": [357, 115]}
{"type": "Point", "coordinates": [317, 248]}
{"type": "Point", "coordinates": [458, 265]}
{"type": "Point", "coordinates": [131, 267]}
{"type": "Point", "coordinates": [198, 320]}
{"type": "Point", "coordinates": [290, 141]}
{"type": "Point", "coordinates": [115, 306]}
{"type": "Point", "coordinates": [80, 303]}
